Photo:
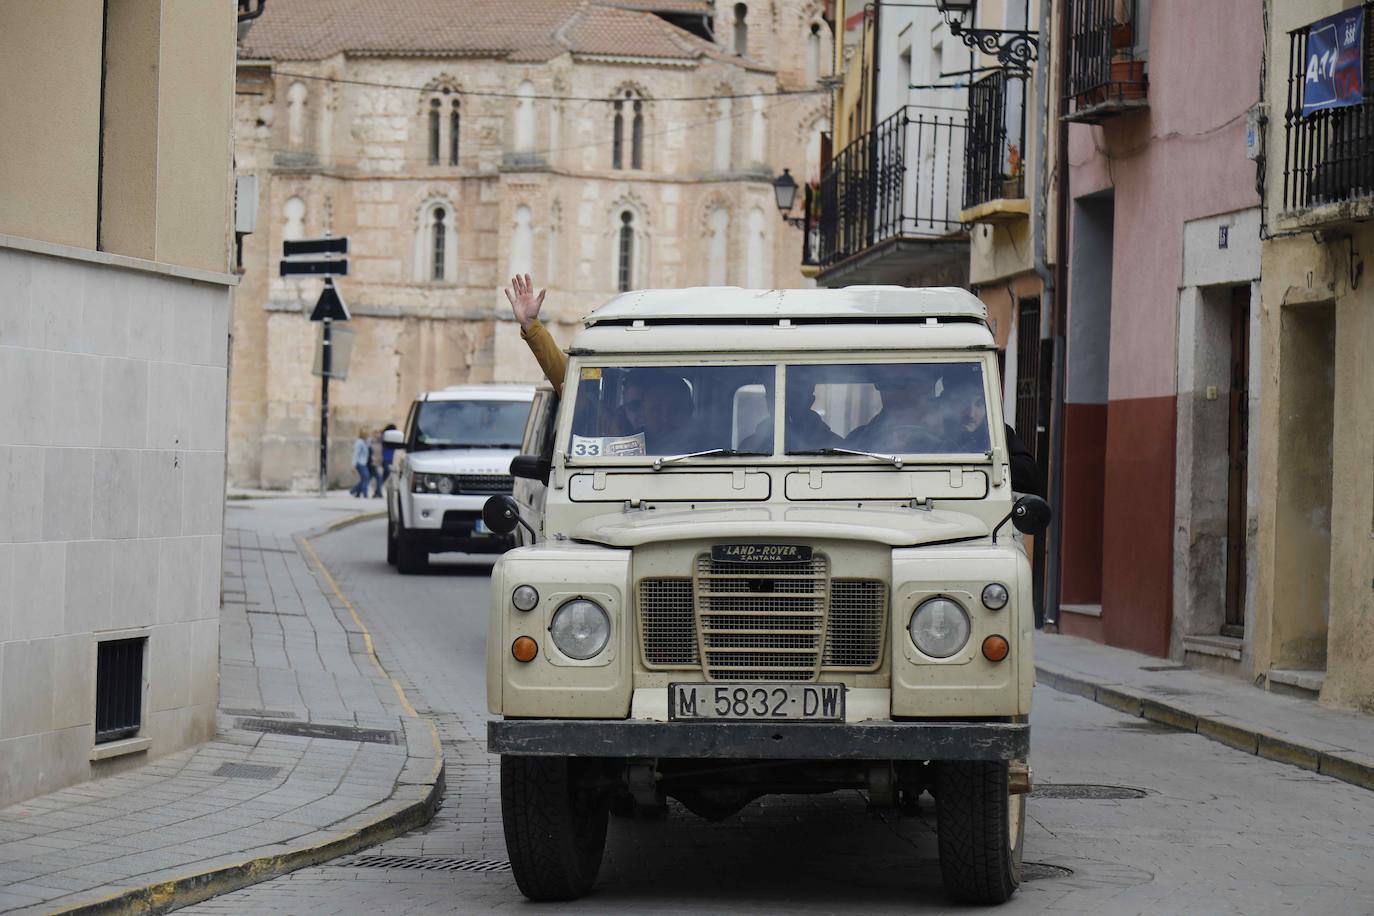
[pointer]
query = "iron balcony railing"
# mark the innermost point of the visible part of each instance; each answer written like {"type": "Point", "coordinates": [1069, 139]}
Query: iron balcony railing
{"type": "Point", "coordinates": [994, 166]}
{"type": "Point", "coordinates": [1106, 72]}
{"type": "Point", "coordinates": [903, 179]}
{"type": "Point", "coordinates": [1328, 156]}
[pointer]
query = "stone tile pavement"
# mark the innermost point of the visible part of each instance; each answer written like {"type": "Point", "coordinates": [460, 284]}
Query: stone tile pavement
{"type": "Point", "coordinates": [319, 751]}
{"type": "Point", "coordinates": [1299, 732]}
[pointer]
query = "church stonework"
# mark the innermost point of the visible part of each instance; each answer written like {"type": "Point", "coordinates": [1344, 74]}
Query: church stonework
{"type": "Point", "coordinates": [597, 155]}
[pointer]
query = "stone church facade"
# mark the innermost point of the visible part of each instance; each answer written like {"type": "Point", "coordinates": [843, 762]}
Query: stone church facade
{"type": "Point", "coordinates": [599, 145]}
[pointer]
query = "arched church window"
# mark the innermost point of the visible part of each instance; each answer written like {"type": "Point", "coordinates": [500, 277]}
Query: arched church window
{"type": "Point", "coordinates": [625, 252]}
{"type": "Point", "coordinates": [438, 240]}
{"type": "Point", "coordinates": [453, 134]}
{"type": "Point", "coordinates": [741, 30]}
{"type": "Point", "coordinates": [435, 118]}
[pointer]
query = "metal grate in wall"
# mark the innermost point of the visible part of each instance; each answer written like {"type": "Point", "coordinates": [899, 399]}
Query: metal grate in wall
{"type": "Point", "coordinates": [118, 688]}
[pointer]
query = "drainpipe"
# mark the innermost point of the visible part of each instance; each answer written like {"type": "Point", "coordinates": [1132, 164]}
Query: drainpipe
{"type": "Point", "coordinates": [1053, 280]}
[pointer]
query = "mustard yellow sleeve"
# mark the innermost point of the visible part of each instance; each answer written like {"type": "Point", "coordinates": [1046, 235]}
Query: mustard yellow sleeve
{"type": "Point", "coordinates": [552, 360]}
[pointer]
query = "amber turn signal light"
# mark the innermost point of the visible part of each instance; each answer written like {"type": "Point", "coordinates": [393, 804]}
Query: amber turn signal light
{"type": "Point", "coordinates": [525, 649]}
{"type": "Point", "coordinates": [995, 648]}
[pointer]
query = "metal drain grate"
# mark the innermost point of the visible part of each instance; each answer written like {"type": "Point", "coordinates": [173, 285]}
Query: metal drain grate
{"type": "Point", "coordinates": [1038, 871]}
{"type": "Point", "coordinates": [1087, 791]}
{"type": "Point", "coordinates": [1163, 667]}
{"type": "Point", "coordinates": [246, 771]}
{"type": "Point", "coordinates": [318, 730]}
{"type": "Point", "coordinates": [423, 863]}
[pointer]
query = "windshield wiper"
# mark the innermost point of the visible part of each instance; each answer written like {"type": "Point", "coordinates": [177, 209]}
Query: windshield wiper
{"type": "Point", "coordinates": [894, 460]}
{"type": "Point", "coordinates": [709, 453]}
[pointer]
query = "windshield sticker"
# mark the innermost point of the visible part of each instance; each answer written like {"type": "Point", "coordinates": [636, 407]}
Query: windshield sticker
{"type": "Point", "coordinates": [608, 446]}
{"type": "Point", "coordinates": [591, 373]}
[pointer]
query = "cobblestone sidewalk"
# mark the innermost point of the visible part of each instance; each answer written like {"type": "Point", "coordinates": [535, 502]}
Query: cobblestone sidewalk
{"type": "Point", "coordinates": [1299, 732]}
{"type": "Point", "coordinates": [318, 753]}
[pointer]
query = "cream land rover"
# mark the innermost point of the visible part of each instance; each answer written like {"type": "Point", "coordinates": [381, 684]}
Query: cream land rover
{"type": "Point", "coordinates": [771, 548]}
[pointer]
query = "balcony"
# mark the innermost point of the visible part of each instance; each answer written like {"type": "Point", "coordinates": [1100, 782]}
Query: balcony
{"type": "Point", "coordinates": [1106, 66]}
{"type": "Point", "coordinates": [1328, 156]}
{"type": "Point", "coordinates": [887, 208]}
{"type": "Point", "coordinates": [994, 163]}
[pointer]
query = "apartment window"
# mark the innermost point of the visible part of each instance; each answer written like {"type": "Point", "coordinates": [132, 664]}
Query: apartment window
{"type": "Point", "coordinates": [626, 251]}
{"type": "Point", "coordinates": [453, 134]}
{"type": "Point", "coordinates": [438, 234]}
{"type": "Point", "coordinates": [435, 118]}
{"type": "Point", "coordinates": [119, 689]}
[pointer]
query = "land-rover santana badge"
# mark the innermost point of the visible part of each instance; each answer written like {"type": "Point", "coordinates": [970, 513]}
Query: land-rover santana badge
{"type": "Point", "coordinates": [760, 553]}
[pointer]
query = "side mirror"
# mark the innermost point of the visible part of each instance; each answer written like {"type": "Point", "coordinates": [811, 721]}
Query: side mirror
{"type": "Point", "coordinates": [394, 437]}
{"type": "Point", "coordinates": [531, 467]}
{"type": "Point", "coordinates": [502, 513]}
{"type": "Point", "coordinates": [1031, 515]}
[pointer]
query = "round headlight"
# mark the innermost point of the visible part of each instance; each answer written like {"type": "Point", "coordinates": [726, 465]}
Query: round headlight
{"type": "Point", "coordinates": [580, 629]}
{"type": "Point", "coordinates": [524, 597]}
{"type": "Point", "coordinates": [939, 628]}
{"type": "Point", "coordinates": [445, 485]}
{"type": "Point", "coordinates": [995, 596]}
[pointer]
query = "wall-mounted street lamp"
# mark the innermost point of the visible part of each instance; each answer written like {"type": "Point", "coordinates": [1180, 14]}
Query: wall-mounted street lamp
{"type": "Point", "coordinates": [1014, 48]}
{"type": "Point", "coordinates": [785, 193]}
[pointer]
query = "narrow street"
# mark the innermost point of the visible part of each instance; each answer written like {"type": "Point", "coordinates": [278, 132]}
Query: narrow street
{"type": "Point", "coordinates": [1127, 816]}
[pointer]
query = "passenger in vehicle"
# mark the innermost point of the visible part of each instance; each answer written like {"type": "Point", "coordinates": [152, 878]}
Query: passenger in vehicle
{"type": "Point", "coordinates": [805, 431]}
{"type": "Point", "coordinates": [965, 425]}
{"type": "Point", "coordinates": [906, 422]}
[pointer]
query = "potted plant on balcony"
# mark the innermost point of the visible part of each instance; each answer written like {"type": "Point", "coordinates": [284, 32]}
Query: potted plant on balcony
{"type": "Point", "coordinates": [1012, 187]}
{"type": "Point", "coordinates": [1128, 73]}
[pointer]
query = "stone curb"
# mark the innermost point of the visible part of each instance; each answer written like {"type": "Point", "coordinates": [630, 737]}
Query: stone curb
{"type": "Point", "coordinates": [1347, 766]}
{"type": "Point", "coordinates": [381, 821]}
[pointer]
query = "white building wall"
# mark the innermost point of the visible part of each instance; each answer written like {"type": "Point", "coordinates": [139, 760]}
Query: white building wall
{"type": "Point", "coordinates": [112, 386]}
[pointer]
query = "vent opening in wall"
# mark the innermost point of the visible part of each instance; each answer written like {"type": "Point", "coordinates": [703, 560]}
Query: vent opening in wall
{"type": "Point", "coordinates": [119, 689]}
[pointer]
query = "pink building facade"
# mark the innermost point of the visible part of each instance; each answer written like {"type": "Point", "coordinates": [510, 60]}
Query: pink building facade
{"type": "Point", "coordinates": [1162, 273]}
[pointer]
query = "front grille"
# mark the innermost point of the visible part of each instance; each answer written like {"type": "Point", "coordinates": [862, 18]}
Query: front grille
{"type": "Point", "coordinates": [763, 622]}
{"type": "Point", "coordinates": [482, 484]}
{"type": "Point", "coordinates": [775, 621]}
{"type": "Point", "coordinates": [668, 633]}
{"type": "Point", "coordinates": [857, 622]}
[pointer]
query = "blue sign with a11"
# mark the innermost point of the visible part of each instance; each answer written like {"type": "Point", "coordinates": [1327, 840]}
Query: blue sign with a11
{"type": "Point", "coordinates": [1334, 70]}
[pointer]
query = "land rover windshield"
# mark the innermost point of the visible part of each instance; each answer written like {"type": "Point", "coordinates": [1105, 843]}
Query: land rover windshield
{"type": "Point", "coordinates": [830, 408]}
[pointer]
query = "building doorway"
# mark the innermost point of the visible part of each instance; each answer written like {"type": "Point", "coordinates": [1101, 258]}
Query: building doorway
{"type": "Point", "coordinates": [1237, 450]}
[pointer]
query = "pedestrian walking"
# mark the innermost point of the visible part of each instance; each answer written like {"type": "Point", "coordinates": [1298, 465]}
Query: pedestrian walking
{"type": "Point", "coordinates": [388, 455]}
{"type": "Point", "coordinates": [361, 456]}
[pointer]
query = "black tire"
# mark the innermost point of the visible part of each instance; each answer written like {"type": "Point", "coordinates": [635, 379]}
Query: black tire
{"type": "Point", "coordinates": [979, 827]}
{"type": "Point", "coordinates": [411, 555]}
{"type": "Point", "coordinates": [390, 541]}
{"type": "Point", "coordinates": [555, 820]}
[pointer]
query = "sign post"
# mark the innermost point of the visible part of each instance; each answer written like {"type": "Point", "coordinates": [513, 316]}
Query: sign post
{"type": "Point", "coordinates": [326, 257]}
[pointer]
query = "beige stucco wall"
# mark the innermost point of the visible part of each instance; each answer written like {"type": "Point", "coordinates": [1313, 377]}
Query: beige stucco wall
{"type": "Point", "coordinates": [1314, 606]}
{"type": "Point", "coordinates": [361, 169]}
{"type": "Point", "coordinates": [50, 68]}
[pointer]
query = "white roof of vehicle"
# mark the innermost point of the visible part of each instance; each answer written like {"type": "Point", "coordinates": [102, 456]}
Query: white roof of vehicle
{"type": "Point", "coordinates": [481, 393]}
{"type": "Point", "coordinates": [710, 304]}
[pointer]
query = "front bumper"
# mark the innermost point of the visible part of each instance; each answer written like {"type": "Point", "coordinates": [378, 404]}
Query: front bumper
{"type": "Point", "coordinates": [943, 740]}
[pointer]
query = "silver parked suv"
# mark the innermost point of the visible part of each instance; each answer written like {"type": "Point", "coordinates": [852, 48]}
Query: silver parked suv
{"type": "Point", "coordinates": [458, 444]}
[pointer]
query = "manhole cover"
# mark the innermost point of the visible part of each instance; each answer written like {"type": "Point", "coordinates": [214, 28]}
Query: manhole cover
{"type": "Point", "coordinates": [1039, 871]}
{"type": "Point", "coordinates": [317, 730]}
{"type": "Point", "coordinates": [246, 771]}
{"type": "Point", "coordinates": [1086, 791]}
{"type": "Point", "coordinates": [425, 863]}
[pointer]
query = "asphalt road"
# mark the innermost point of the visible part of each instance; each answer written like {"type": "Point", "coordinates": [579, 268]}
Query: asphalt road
{"type": "Point", "coordinates": [1181, 824]}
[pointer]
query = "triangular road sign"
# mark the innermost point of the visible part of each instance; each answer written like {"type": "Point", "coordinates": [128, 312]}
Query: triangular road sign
{"type": "Point", "coordinates": [330, 305]}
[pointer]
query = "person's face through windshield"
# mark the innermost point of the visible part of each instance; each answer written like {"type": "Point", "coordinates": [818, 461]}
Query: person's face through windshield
{"type": "Point", "coordinates": [667, 405]}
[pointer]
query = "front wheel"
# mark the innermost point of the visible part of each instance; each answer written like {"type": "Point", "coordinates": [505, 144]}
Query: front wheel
{"type": "Point", "coordinates": [390, 542]}
{"type": "Point", "coordinates": [555, 813]}
{"type": "Point", "coordinates": [980, 826]}
{"type": "Point", "coordinates": [411, 555]}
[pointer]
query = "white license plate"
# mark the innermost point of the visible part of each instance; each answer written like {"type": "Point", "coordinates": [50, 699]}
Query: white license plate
{"type": "Point", "coordinates": [759, 701]}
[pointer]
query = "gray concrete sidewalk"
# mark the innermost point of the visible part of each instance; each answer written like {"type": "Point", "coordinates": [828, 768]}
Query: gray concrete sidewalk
{"type": "Point", "coordinates": [1339, 743]}
{"type": "Point", "coordinates": [319, 751]}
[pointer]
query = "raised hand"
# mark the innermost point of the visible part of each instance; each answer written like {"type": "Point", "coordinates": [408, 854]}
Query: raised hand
{"type": "Point", "coordinates": [524, 302]}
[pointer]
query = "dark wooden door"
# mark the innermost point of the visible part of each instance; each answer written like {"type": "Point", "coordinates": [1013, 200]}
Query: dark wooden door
{"type": "Point", "coordinates": [1238, 430]}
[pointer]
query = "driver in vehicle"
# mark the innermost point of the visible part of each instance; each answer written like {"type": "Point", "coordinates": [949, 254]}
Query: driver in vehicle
{"type": "Point", "coordinates": [903, 425]}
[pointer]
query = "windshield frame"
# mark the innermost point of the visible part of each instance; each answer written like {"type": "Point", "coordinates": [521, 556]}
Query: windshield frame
{"type": "Point", "coordinates": [780, 361]}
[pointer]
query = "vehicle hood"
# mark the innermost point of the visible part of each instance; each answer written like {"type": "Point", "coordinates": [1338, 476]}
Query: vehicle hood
{"type": "Point", "coordinates": [462, 461]}
{"type": "Point", "coordinates": [896, 527]}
